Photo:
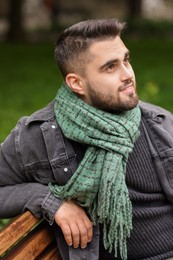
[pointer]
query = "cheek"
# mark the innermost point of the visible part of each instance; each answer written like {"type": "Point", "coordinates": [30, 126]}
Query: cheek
{"type": "Point", "coordinates": [104, 83]}
{"type": "Point", "coordinates": [112, 80]}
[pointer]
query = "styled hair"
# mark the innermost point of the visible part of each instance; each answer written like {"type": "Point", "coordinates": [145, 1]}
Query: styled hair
{"type": "Point", "coordinates": [71, 51]}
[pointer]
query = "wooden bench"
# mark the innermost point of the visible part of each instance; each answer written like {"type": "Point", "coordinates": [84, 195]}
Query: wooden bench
{"type": "Point", "coordinates": [27, 238]}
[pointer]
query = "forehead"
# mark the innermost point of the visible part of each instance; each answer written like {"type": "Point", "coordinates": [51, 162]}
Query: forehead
{"type": "Point", "coordinates": [106, 49]}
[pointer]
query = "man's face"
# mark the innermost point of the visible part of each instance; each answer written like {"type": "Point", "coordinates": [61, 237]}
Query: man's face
{"type": "Point", "coordinates": [109, 78]}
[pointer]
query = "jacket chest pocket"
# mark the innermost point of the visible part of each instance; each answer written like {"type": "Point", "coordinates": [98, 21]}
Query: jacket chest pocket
{"type": "Point", "coordinates": [57, 171]}
{"type": "Point", "coordinates": [63, 169]}
{"type": "Point", "coordinates": [60, 154]}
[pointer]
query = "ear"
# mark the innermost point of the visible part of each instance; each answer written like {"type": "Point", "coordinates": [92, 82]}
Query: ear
{"type": "Point", "coordinates": [74, 81]}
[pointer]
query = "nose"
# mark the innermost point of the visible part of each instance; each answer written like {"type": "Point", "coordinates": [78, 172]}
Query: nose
{"type": "Point", "coordinates": [126, 72]}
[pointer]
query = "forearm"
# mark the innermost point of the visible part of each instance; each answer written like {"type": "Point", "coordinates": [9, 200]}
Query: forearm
{"type": "Point", "coordinates": [37, 198]}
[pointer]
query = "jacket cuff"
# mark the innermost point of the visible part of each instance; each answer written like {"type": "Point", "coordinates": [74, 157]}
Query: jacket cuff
{"type": "Point", "coordinates": [49, 207]}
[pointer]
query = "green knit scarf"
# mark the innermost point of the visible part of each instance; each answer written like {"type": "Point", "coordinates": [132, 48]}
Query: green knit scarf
{"type": "Point", "coordinates": [99, 181]}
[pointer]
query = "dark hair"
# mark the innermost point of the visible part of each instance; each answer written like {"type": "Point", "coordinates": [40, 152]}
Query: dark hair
{"type": "Point", "coordinates": [73, 43]}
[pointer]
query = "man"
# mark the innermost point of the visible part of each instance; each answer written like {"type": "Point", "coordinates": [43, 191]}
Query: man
{"type": "Point", "coordinates": [96, 162]}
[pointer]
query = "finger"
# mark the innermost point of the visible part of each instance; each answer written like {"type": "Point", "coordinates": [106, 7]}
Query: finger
{"type": "Point", "coordinates": [75, 233]}
{"type": "Point", "coordinates": [89, 227]}
{"type": "Point", "coordinates": [67, 234]}
{"type": "Point", "coordinates": [83, 235]}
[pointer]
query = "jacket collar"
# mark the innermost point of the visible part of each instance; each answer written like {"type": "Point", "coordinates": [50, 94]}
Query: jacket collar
{"type": "Point", "coordinates": [44, 114]}
{"type": "Point", "coordinates": [151, 111]}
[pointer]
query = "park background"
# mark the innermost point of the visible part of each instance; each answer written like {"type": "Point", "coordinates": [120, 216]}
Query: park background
{"type": "Point", "coordinates": [29, 77]}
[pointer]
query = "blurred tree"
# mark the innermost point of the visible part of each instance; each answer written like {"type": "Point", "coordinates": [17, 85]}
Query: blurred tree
{"type": "Point", "coordinates": [15, 31]}
{"type": "Point", "coordinates": [134, 9]}
{"type": "Point", "coordinates": [54, 8]}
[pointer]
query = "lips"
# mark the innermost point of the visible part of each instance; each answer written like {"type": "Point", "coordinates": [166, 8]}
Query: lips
{"type": "Point", "coordinates": [130, 85]}
{"type": "Point", "coordinates": [129, 89]}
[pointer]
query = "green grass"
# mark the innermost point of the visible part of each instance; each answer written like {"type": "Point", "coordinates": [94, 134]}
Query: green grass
{"type": "Point", "coordinates": [29, 77]}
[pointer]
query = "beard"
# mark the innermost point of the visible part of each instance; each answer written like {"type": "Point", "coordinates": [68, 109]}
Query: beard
{"type": "Point", "coordinates": [111, 103]}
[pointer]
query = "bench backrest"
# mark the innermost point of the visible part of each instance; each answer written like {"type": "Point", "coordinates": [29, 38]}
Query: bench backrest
{"type": "Point", "coordinates": [27, 237]}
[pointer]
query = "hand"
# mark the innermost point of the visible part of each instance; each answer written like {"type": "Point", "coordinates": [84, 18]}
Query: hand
{"type": "Point", "coordinates": [74, 223]}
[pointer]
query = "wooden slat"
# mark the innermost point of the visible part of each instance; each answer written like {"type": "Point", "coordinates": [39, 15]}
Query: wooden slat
{"type": "Point", "coordinates": [51, 253]}
{"type": "Point", "coordinates": [14, 231]}
{"type": "Point", "coordinates": [32, 245]}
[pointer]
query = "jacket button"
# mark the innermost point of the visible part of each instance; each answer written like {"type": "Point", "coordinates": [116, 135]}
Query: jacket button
{"type": "Point", "coordinates": [53, 126]}
{"type": "Point", "coordinates": [65, 169]}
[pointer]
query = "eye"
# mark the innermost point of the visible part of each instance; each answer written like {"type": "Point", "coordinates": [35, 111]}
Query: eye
{"type": "Point", "coordinates": [127, 59]}
{"type": "Point", "coordinates": [110, 67]}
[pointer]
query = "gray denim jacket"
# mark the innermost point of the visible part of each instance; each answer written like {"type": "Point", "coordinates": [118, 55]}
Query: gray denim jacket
{"type": "Point", "coordinates": [36, 153]}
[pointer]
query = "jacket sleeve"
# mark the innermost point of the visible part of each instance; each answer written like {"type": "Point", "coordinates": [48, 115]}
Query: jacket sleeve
{"type": "Point", "coordinates": [16, 193]}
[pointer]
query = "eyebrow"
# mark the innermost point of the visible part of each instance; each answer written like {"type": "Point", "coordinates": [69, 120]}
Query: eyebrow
{"type": "Point", "coordinates": [102, 67]}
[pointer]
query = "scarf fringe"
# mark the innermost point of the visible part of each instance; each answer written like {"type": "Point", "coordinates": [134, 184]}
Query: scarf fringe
{"type": "Point", "coordinates": [116, 227]}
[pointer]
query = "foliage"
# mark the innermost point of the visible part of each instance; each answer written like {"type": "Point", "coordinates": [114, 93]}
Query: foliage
{"type": "Point", "coordinates": [3, 222]}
